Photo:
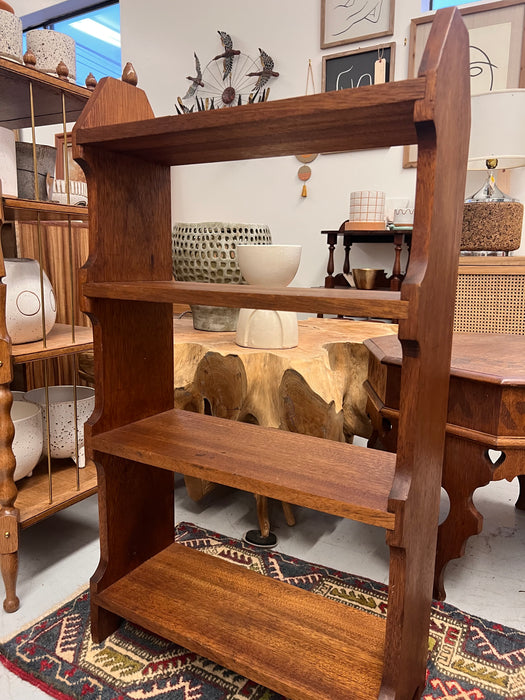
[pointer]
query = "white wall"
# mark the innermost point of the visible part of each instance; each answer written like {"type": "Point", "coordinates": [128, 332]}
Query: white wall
{"type": "Point", "coordinates": [159, 38]}
{"type": "Point", "coordinates": [160, 42]}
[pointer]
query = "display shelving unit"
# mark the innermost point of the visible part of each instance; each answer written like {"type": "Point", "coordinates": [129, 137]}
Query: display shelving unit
{"type": "Point", "coordinates": [31, 98]}
{"type": "Point", "coordinates": [292, 641]}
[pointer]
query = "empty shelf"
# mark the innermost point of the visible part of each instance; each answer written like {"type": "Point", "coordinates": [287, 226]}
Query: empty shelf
{"type": "Point", "coordinates": [293, 641]}
{"type": "Point", "coordinates": [334, 477]}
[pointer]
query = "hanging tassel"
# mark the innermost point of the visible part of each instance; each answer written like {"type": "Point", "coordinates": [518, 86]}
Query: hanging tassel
{"type": "Point", "coordinates": [304, 193]}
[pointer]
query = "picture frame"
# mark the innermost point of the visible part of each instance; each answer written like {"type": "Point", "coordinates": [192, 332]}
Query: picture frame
{"type": "Point", "coordinates": [75, 171]}
{"type": "Point", "coordinates": [351, 69]}
{"type": "Point", "coordinates": [345, 22]}
{"type": "Point", "coordinates": [497, 49]}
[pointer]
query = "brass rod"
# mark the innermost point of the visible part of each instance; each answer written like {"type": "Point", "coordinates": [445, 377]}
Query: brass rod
{"type": "Point", "coordinates": [77, 459]}
{"type": "Point", "coordinates": [65, 154]}
{"type": "Point", "coordinates": [40, 262]}
{"type": "Point", "coordinates": [71, 278]}
{"type": "Point", "coordinates": [48, 434]}
{"type": "Point", "coordinates": [35, 161]}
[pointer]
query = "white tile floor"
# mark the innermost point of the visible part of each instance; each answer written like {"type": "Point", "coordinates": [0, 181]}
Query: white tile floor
{"type": "Point", "coordinates": [58, 556]}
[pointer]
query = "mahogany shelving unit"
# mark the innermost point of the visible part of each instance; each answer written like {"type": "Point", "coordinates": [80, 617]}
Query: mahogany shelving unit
{"type": "Point", "coordinates": [298, 644]}
{"type": "Point", "coordinates": [30, 500]}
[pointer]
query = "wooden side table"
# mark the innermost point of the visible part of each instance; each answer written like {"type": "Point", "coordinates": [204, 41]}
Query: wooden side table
{"type": "Point", "coordinates": [485, 412]}
{"type": "Point", "coordinates": [397, 237]}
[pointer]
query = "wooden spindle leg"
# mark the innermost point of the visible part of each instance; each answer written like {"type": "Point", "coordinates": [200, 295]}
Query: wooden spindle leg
{"type": "Point", "coordinates": [8, 513]}
{"type": "Point", "coordinates": [329, 279]}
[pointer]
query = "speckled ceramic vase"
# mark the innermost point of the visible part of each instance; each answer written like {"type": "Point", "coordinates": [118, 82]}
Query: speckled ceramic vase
{"type": "Point", "coordinates": [62, 418]}
{"type": "Point", "coordinates": [207, 252]}
{"type": "Point", "coordinates": [50, 48]}
{"type": "Point", "coordinates": [10, 36]}
{"type": "Point", "coordinates": [28, 439]}
{"type": "Point", "coordinates": [23, 306]}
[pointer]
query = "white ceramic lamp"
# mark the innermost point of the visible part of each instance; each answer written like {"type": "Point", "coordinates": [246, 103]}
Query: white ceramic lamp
{"type": "Point", "coordinates": [268, 266]}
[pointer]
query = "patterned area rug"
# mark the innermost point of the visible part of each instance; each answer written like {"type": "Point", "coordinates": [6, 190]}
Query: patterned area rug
{"type": "Point", "coordinates": [469, 658]}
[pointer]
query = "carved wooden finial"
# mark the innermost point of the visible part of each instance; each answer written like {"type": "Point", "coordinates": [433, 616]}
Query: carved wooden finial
{"type": "Point", "coordinates": [91, 82]}
{"type": "Point", "coordinates": [62, 71]}
{"type": "Point", "coordinates": [129, 75]}
{"type": "Point", "coordinates": [29, 59]}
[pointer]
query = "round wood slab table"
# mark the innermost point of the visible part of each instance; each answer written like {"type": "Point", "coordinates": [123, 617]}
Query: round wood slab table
{"type": "Point", "coordinates": [316, 388]}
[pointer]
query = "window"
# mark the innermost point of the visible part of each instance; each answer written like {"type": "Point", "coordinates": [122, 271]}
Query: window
{"type": "Point", "coordinates": [96, 32]}
{"type": "Point", "coordinates": [438, 4]}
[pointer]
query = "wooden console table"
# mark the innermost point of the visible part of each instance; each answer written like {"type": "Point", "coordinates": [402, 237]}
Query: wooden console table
{"type": "Point", "coordinates": [397, 237]}
{"type": "Point", "coordinates": [315, 389]}
{"type": "Point", "coordinates": [485, 412]}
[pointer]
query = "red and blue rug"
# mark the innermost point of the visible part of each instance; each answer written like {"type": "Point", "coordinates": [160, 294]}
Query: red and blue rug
{"type": "Point", "coordinates": [469, 658]}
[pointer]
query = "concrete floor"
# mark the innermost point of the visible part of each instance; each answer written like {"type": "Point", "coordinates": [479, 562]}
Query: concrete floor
{"type": "Point", "coordinates": [58, 556]}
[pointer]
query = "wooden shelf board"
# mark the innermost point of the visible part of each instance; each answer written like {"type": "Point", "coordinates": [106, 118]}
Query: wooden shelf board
{"type": "Point", "coordinates": [58, 343]}
{"type": "Point", "coordinates": [33, 492]}
{"type": "Point", "coordinates": [334, 477]}
{"type": "Point", "coordinates": [17, 209]}
{"type": "Point", "coordinates": [326, 122]}
{"type": "Point", "coordinates": [47, 97]}
{"type": "Point", "coordinates": [351, 302]}
{"type": "Point", "coordinates": [295, 642]}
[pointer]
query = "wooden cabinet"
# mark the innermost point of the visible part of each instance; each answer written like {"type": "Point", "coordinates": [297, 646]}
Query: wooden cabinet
{"type": "Point", "coordinates": [298, 644]}
{"type": "Point", "coordinates": [29, 98]}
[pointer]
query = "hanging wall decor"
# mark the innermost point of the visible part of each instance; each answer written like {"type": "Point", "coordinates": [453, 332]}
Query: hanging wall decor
{"type": "Point", "coordinates": [305, 172]}
{"type": "Point", "coordinates": [230, 78]}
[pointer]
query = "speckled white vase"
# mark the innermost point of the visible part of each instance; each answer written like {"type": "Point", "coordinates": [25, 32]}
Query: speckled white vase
{"type": "Point", "coordinates": [28, 440]}
{"type": "Point", "coordinates": [8, 176]}
{"type": "Point", "coordinates": [268, 266]}
{"type": "Point", "coordinates": [11, 36]}
{"type": "Point", "coordinates": [62, 418]}
{"type": "Point", "coordinates": [23, 307]}
{"type": "Point", "coordinates": [50, 48]}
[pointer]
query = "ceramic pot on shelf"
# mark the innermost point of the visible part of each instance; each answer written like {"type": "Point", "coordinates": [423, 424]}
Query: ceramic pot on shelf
{"type": "Point", "coordinates": [23, 307]}
{"type": "Point", "coordinates": [28, 440]}
{"type": "Point", "coordinates": [207, 252]}
{"type": "Point", "coordinates": [62, 418]}
{"type": "Point", "coordinates": [10, 34]}
{"type": "Point", "coordinates": [268, 266]}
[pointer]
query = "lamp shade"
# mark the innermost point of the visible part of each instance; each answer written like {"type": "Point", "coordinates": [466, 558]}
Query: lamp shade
{"type": "Point", "coordinates": [497, 129]}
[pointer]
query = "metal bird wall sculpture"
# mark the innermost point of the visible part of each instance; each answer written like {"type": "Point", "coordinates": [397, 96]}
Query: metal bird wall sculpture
{"type": "Point", "coordinates": [234, 81]}
{"type": "Point", "coordinates": [267, 71]}
{"type": "Point", "coordinates": [228, 54]}
{"type": "Point", "coordinates": [195, 82]}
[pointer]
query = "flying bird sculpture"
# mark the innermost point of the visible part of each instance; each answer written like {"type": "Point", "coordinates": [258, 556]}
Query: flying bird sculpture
{"type": "Point", "coordinates": [267, 71]}
{"type": "Point", "coordinates": [228, 54]}
{"type": "Point", "coordinates": [195, 82]}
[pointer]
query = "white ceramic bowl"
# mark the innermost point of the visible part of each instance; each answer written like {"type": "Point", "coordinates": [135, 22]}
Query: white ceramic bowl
{"type": "Point", "coordinates": [269, 265]}
{"type": "Point", "coordinates": [62, 417]}
{"type": "Point", "coordinates": [28, 440]}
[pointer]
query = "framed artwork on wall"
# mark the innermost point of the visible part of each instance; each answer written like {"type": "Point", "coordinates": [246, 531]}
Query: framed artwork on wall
{"type": "Point", "coordinates": [497, 57]}
{"type": "Point", "coordinates": [348, 21]}
{"type": "Point", "coordinates": [353, 69]}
